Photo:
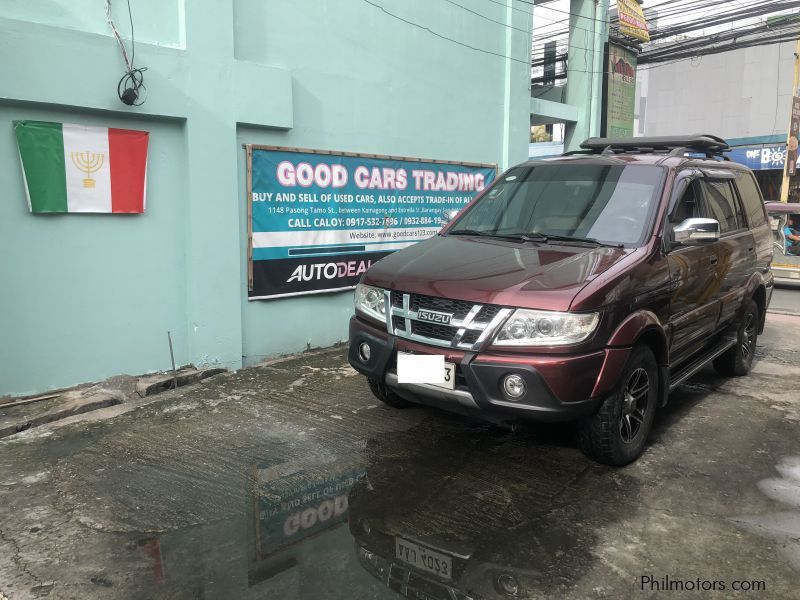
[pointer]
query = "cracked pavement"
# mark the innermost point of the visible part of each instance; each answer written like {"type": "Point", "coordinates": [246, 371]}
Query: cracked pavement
{"type": "Point", "coordinates": [290, 480]}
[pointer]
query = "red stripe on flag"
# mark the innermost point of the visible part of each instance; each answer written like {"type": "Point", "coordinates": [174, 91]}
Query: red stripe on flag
{"type": "Point", "coordinates": [127, 151]}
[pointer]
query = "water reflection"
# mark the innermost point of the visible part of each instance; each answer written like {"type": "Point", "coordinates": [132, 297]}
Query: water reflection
{"type": "Point", "coordinates": [442, 510]}
{"type": "Point", "coordinates": [483, 515]}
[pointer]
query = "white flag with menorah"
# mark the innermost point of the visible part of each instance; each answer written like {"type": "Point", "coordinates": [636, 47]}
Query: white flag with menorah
{"type": "Point", "coordinates": [75, 168]}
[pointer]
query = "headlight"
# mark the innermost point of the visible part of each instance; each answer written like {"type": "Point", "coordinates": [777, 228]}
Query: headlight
{"type": "Point", "coordinates": [545, 328]}
{"type": "Point", "coordinates": [370, 302]}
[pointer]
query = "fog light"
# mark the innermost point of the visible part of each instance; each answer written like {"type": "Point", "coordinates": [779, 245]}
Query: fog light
{"type": "Point", "coordinates": [514, 386]}
{"type": "Point", "coordinates": [364, 351]}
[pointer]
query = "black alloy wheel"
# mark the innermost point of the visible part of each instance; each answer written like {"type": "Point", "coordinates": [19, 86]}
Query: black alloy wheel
{"type": "Point", "coordinates": [739, 358]}
{"type": "Point", "coordinates": [634, 405]}
{"type": "Point", "coordinates": [617, 433]}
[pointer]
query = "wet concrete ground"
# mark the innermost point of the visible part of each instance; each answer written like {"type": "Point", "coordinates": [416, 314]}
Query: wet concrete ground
{"type": "Point", "coordinates": [291, 481]}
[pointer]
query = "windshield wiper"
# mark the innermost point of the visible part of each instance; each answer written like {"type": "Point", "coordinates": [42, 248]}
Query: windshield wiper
{"type": "Point", "coordinates": [570, 238]}
{"type": "Point", "coordinates": [467, 232]}
{"type": "Point", "coordinates": [515, 237]}
{"type": "Point", "coordinates": [536, 237]}
{"type": "Point", "coordinates": [548, 237]}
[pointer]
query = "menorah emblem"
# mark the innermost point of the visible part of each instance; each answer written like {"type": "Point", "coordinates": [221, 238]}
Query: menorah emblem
{"type": "Point", "coordinates": [87, 162]}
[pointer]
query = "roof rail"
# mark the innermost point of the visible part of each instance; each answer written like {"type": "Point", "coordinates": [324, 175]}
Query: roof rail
{"type": "Point", "coordinates": [677, 145]}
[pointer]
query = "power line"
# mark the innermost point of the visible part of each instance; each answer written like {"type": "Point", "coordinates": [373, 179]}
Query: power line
{"type": "Point", "coordinates": [444, 37]}
{"type": "Point", "coordinates": [469, 10]}
{"type": "Point", "coordinates": [504, 5]}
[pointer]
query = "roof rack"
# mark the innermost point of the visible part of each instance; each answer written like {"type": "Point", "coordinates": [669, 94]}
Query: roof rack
{"type": "Point", "coordinates": [678, 145]}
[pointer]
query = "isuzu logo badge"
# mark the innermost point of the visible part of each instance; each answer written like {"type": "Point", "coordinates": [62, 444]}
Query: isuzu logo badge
{"type": "Point", "coordinates": [434, 316]}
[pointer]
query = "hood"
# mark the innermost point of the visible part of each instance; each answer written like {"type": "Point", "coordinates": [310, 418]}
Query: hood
{"type": "Point", "coordinates": [494, 271]}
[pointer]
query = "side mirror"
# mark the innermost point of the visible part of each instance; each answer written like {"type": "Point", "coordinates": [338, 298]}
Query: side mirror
{"type": "Point", "coordinates": [693, 232]}
{"type": "Point", "coordinates": [448, 215]}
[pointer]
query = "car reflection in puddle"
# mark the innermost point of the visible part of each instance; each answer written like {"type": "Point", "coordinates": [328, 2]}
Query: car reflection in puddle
{"type": "Point", "coordinates": [444, 509]}
{"type": "Point", "coordinates": [476, 515]}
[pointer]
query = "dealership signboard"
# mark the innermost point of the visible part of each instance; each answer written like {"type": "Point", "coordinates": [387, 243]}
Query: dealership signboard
{"type": "Point", "coordinates": [318, 220]}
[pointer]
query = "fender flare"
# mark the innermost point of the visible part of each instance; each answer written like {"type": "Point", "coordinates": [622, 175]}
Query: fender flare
{"type": "Point", "coordinates": [632, 328]}
{"type": "Point", "coordinates": [629, 332]}
{"type": "Point", "coordinates": [757, 289]}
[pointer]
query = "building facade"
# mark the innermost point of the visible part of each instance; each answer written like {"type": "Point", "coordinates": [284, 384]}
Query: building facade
{"type": "Point", "coordinates": [742, 95]}
{"type": "Point", "coordinates": [88, 296]}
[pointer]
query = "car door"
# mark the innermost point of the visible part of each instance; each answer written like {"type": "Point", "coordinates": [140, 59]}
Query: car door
{"type": "Point", "coordinates": [735, 248]}
{"type": "Point", "coordinates": [694, 273]}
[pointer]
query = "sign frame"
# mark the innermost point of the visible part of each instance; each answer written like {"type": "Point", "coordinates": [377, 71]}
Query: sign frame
{"type": "Point", "coordinates": [249, 148]}
{"type": "Point", "coordinates": [617, 91]}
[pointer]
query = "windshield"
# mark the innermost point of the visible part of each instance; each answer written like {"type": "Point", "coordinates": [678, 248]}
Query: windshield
{"type": "Point", "coordinates": [605, 203]}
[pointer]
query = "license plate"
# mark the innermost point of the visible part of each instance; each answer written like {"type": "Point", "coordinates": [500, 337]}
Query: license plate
{"type": "Point", "coordinates": [429, 369]}
{"type": "Point", "coordinates": [423, 558]}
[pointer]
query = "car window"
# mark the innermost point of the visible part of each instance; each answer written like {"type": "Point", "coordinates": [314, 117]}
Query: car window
{"type": "Point", "coordinates": [611, 203]}
{"type": "Point", "coordinates": [689, 206]}
{"type": "Point", "coordinates": [722, 204]}
{"type": "Point", "coordinates": [751, 198]}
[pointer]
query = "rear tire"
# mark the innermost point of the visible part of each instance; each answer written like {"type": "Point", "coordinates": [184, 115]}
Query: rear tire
{"type": "Point", "coordinates": [616, 434]}
{"type": "Point", "coordinates": [382, 393]}
{"type": "Point", "coordinates": [737, 360]}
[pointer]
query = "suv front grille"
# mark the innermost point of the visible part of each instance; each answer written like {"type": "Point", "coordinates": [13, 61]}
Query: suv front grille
{"type": "Point", "coordinates": [470, 325]}
{"type": "Point", "coordinates": [458, 308]}
{"type": "Point", "coordinates": [440, 332]}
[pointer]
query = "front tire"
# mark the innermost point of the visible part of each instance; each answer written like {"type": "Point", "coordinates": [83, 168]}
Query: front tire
{"type": "Point", "coordinates": [737, 361]}
{"type": "Point", "coordinates": [617, 433]}
{"type": "Point", "coordinates": [382, 393]}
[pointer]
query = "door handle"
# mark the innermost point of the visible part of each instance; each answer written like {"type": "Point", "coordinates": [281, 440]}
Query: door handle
{"type": "Point", "coordinates": [713, 260]}
{"type": "Point", "coordinates": [750, 249]}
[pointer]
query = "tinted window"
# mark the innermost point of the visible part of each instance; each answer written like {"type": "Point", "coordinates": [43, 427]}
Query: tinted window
{"type": "Point", "coordinates": [688, 206]}
{"type": "Point", "coordinates": [612, 203]}
{"type": "Point", "coordinates": [722, 204]}
{"type": "Point", "coordinates": [751, 198]}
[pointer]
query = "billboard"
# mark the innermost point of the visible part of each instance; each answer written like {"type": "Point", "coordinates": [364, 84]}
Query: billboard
{"type": "Point", "coordinates": [772, 156]}
{"type": "Point", "coordinates": [620, 92]}
{"type": "Point", "coordinates": [318, 219]}
{"type": "Point", "coordinates": [632, 21]}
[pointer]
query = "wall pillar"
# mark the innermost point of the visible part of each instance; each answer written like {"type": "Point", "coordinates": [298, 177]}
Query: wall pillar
{"type": "Point", "coordinates": [588, 26]}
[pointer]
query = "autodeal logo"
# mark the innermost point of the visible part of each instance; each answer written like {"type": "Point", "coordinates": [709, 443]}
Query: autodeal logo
{"type": "Point", "coordinates": [331, 270]}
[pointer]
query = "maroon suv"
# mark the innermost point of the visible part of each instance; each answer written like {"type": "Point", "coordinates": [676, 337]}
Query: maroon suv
{"type": "Point", "coordinates": [584, 287]}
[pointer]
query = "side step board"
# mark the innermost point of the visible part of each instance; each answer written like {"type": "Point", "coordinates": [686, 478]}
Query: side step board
{"type": "Point", "coordinates": [694, 366]}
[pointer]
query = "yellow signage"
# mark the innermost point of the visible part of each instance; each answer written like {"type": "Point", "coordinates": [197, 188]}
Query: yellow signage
{"type": "Point", "coordinates": [632, 21]}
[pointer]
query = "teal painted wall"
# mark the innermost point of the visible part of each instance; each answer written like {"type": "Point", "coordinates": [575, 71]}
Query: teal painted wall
{"type": "Point", "coordinates": [317, 74]}
{"type": "Point", "coordinates": [87, 295]}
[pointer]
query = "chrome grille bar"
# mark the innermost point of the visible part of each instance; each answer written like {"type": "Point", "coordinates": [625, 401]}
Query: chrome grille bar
{"type": "Point", "coordinates": [462, 326]}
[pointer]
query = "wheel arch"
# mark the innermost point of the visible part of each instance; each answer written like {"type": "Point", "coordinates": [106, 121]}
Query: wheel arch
{"type": "Point", "coordinates": [641, 327]}
{"type": "Point", "coordinates": [760, 296]}
{"type": "Point", "coordinates": [757, 290]}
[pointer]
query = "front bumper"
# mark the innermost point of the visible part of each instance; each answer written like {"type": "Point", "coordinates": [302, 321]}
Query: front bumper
{"type": "Point", "coordinates": [560, 387]}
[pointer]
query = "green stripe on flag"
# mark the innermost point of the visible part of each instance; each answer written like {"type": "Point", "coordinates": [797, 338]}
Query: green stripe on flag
{"type": "Point", "coordinates": [41, 147]}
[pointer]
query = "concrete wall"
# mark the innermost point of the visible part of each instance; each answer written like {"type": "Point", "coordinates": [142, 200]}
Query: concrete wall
{"type": "Point", "coordinates": [85, 297]}
{"type": "Point", "coordinates": [738, 94]}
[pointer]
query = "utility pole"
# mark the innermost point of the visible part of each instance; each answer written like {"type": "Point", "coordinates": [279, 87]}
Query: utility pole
{"type": "Point", "coordinates": [793, 132]}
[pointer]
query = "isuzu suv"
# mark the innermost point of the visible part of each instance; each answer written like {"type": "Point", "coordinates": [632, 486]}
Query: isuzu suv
{"type": "Point", "coordinates": [582, 288]}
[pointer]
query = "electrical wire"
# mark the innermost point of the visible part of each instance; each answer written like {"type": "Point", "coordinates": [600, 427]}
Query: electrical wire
{"type": "Point", "coordinates": [131, 86]}
{"type": "Point", "coordinates": [482, 16]}
{"type": "Point", "coordinates": [444, 37]}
